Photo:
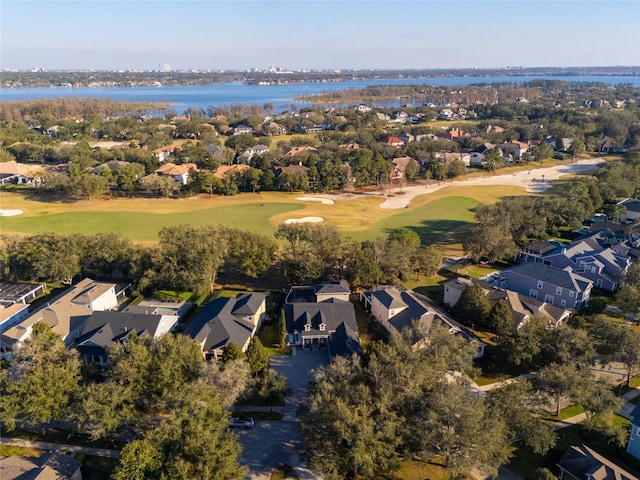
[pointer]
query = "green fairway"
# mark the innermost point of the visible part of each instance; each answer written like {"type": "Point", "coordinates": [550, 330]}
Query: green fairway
{"type": "Point", "coordinates": [144, 227]}
{"type": "Point", "coordinates": [436, 221]}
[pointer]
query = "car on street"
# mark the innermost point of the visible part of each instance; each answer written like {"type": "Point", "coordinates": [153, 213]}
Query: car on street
{"type": "Point", "coordinates": [241, 422]}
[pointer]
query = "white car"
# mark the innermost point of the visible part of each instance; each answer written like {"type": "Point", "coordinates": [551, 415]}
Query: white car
{"type": "Point", "coordinates": [241, 422]}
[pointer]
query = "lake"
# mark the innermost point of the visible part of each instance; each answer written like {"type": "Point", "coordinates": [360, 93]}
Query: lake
{"type": "Point", "coordinates": [281, 96]}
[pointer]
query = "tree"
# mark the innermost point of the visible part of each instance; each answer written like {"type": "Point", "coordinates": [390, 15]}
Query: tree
{"type": "Point", "coordinates": [282, 329]}
{"type": "Point", "coordinates": [43, 381]}
{"type": "Point", "coordinates": [257, 356]}
{"type": "Point", "coordinates": [105, 407]}
{"type": "Point", "coordinates": [427, 260]}
{"type": "Point", "coordinates": [232, 352]}
{"type": "Point", "coordinates": [500, 319]}
{"type": "Point", "coordinates": [493, 159]}
{"type": "Point", "coordinates": [192, 256]}
{"type": "Point", "coordinates": [559, 381]}
{"type": "Point", "coordinates": [230, 379]}
{"type": "Point", "coordinates": [473, 306]}
{"type": "Point", "coordinates": [139, 460]}
{"type": "Point", "coordinates": [524, 346]}
{"type": "Point", "coordinates": [518, 406]}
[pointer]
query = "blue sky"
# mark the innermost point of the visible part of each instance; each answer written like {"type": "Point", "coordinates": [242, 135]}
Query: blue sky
{"type": "Point", "coordinates": [208, 34]}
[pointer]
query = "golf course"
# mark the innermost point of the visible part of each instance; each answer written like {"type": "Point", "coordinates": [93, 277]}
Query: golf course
{"type": "Point", "coordinates": [440, 212]}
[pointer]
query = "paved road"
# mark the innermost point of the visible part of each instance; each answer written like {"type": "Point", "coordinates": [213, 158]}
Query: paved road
{"type": "Point", "coordinates": [268, 443]}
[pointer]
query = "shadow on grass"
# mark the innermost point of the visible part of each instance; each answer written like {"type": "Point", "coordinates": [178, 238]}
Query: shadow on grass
{"type": "Point", "coordinates": [438, 231]}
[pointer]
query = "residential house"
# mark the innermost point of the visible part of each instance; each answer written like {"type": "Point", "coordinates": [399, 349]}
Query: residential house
{"type": "Point", "coordinates": [293, 151]}
{"type": "Point", "coordinates": [396, 308]}
{"type": "Point", "coordinates": [633, 448]}
{"type": "Point", "coordinates": [588, 256]}
{"type": "Point", "coordinates": [307, 126]}
{"type": "Point", "coordinates": [321, 317]}
{"type": "Point", "coordinates": [583, 463]}
{"type": "Point", "coordinates": [559, 287]}
{"type": "Point", "coordinates": [214, 149]}
{"type": "Point", "coordinates": [383, 116]}
{"type": "Point", "coordinates": [448, 157]}
{"type": "Point", "coordinates": [20, 173]}
{"type": "Point", "coordinates": [363, 108]}
{"type": "Point", "coordinates": [48, 466]}
{"type": "Point", "coordinates": [452, 134]}
{"type": "Point", "coordinates": [609, 145]}
{"type": "Point", "coordinates": [111, 166]}
{"type": "Point", "coordinates": [255, 151]}
{"type": "Point", "coordinates": [632, 210]}
{"type": "Point", "coordinates": [180, 173]}
{"type": "Point", "coordinates": [273, 128]}
{"type": "Point", "coordinates": [491, 129]}
{"type": "Point", "coordinates": [243, 129]}
{"type": "Point", "coordinates": [399, 166]}
{"type": "Point", "coordinates": [446, 114]}
{"type": "Point", "coordinates": [67, 313]}
{"type": "Point", "coordinates": [399, 117]}
{"type": "Point", "coordinates": [476, 158]}
{"type": "Point", "coordinates": [228, 320]}
{"type": "Point", "coordinates": [282, 173]}
{"type": "Point", "coordinates": [223, 171]}
{"type": "Point", "coordinates": [522, 307]}
{"type": "Point", "coordinates": [393, 141]}
{"type": "Point", "coordinates": [103, 329]}
{"type": "Point", "coordinates": [11, 315]}
{"type": "Point", "coordinates": [517, 148]}
{"type": "Point", "coordinates": [164, 152]}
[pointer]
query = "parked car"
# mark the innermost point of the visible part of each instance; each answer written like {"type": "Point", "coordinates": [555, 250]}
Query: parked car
{"type": "Point", "coordinates": [241, 422]}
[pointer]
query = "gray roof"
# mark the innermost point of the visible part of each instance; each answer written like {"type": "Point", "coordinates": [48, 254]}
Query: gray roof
{"type": "Point", "coordinates": [631, 204]}
{"type": "Point", "coordinates": [635, 415]}
{"type": "Point", "coordinates": [329, 288]}
{"type": "Point", "coordinates": [49, 466]}
{"type": "Point", "coordinates": [332, 313]}
{"type": "Point", "coordinates": [104, 329]}
{"type": "Point", "coordinates": [584, 463]}
{"type": "Point", "coordinates": [222, 321]}
{"type": "Point", "coordinates": [413, 309]}
{"type": "Point", "coordinates": [564, 278]}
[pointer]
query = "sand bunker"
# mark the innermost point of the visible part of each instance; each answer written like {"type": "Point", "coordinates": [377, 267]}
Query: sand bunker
{"type": "Point", "coordinates": [10, 213]}
{"type": "Point", "coordinates": [305, 220]}
{"type": "Point", "coordinates": [325, 201]}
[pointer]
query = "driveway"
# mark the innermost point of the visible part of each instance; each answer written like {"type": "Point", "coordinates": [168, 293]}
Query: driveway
{"type": "Point", "coordinates": [270, 442]}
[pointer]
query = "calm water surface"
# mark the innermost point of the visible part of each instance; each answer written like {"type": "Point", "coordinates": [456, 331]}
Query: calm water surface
{"type": "Point", "coordinates": [281, 96]}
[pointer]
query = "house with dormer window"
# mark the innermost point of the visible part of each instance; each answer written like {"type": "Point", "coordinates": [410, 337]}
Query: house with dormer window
{"type": "Point", "coordinates": [321, 317]}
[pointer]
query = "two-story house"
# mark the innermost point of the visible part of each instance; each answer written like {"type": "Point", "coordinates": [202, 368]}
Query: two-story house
{"type": "Point", "coordinates": [228, 320]}
{"type": "Point", "coordinates": [322, 317]}
{"type": "Point", "coordinates": [559, 287]}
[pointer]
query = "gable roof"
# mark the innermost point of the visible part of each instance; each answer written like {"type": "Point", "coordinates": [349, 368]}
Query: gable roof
{"type": "Point", "coordinates": [49, 466]}
{"type": "Point", "coordinates": [292, 151]}
{"type": "Point", "coordinates": [584, 463]}
{"type": "Point", "coordinates": [564, 278]}
{"type": "Point", "coordinates": [173, 169]}
{"type": "Point", "coordinates": [104, 329]}
{"type": "Point", "coordinates": [12, 168]}
{"type": "Point", "coordinates": [223, 321]}
{"type": "Point", "coordinates": [340, 287]}
{"type": "Point", "coordinates": [224, 170]}
{"type": "Point", "coordinates": [412, 309]}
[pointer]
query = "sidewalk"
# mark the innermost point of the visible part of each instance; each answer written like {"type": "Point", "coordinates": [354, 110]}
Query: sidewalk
{"type": "Point", "coordinates": [97, 452]}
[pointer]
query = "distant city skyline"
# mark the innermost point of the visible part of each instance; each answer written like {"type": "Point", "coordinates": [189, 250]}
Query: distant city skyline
{"type": "Point", "coordinates": [316, 35]}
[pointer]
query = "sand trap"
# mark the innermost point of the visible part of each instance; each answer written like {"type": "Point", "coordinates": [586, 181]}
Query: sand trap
{"type": "Point", "coordinates": [325, 201]}
{"type": "Point", "coordinates": [10, 213]}
{"type": "Point", "coordinates": [305, 220]}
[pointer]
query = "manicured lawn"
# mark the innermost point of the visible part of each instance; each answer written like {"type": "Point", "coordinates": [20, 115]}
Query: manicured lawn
{"type": "Point", "coordinates": [442, 216]}
{"type": "Point", "coordinates": [270, 339]}
{"type": "Point", "coordinates": [570, 411]}
{"type": "Point", "coordinates": [412, 470]}
{"type": "Point", "coordinates": [13, 451]}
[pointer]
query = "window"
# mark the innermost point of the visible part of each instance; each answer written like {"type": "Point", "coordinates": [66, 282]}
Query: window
{"type": "Point", "coordinates": [540, 284]}
{"type": "Point", "coordinates": [307, 327]}
{"type": "Point", "coordinates": [323, 327]}
{"type": "Point", "coordinates": [563, 303]}
{"type": "Point", "coordinates": [599, 282]}
{"type": "Point", "coordinates": [571, 293]}
{"type": "Point", "coordinates": [548, 299]}
{"type": "Point", "coordinates": [558, 290]}
{"type": "Point", "coordinates": [533, 293]}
